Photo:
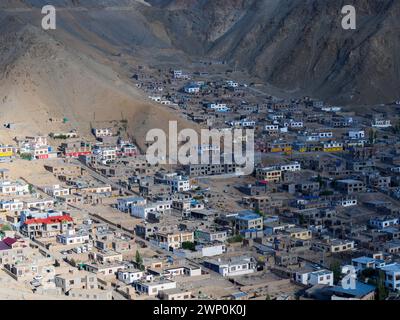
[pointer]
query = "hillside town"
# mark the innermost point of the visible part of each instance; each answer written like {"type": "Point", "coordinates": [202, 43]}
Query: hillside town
{"type": "Point", "coordinates": [89, 218]}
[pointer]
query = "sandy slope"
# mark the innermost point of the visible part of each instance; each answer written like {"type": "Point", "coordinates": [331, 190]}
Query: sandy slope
{"type": "Point", "coordinates": [42, 78]}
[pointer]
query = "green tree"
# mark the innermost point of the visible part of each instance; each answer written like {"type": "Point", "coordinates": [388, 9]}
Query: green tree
{"type": "Point", "coordinates": [396, 128]}
{"type": "Point", "coordinates": [26, 156]}
{"type": "Point", "coordinates": [187, 245]}
{"type": "Point", "coordinates": [381, 291]}
{"type": "Point", "coordinates": [372, 136]}
{"type": "Point", "coordinates": [320, 180]}
{"type": "Point", "coordinates": [326, 193]}
{"type": "Point", "coordinates": [337, 271]}
{"type": "Point", "coordinates": [5, 227]}
{"type": "Point", "coordinates": [139, 259]}
{"type": "Point", "coordinates": [237, 238]}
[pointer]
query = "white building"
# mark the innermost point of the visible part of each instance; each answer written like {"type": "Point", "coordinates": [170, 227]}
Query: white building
{"type": "Point", "coordinates": [142, 211]}
{"type": "Point", "coordinates": [331, 109]}
{"type": "Point", "coordinates": [180, 184]}
{"type": "Point", "coordinates": [321, 277]}
{"type": "Point", "coordinates": [315, 277]}
{"type": "Point", "coordinates": [356, 134]}
{"type": "Point", "coordinates": [242, 123]}
{"type": "Point", "coordinates": [192, 88]}
{"type": "Point", "coordinates": [106, 155]}
{"type": "Point", "coordinates": [11, 205]}
{"type": "Point", "coordinates": [346, 202]}
{"type": "Point", "coordinates": [383, 222]}
{"type": "Point", "coordinates": [39, 203]}
{"type": "Point", "coordinates": [275, 116]}
{"type": "Point", "coordinates": [73, 237]}
{"type": "Point", "coordinates": [325, 135]}
{"type": "Point", "coordinates": [392, 276]}
{"type": "Point", "coordinates": [219, 107]}
{"type": "Point", "coordinates": [128, 276]}
{"type": "Point", "coordinates": [56, 191]}
{"type": "Point", "coordinates": [152, 288]}
{"type": "Point", "coordinates": [271, 128]}
{"type": "Point", "coordinates": [232, 267]}
{"type": "Point", "coordinates": [294, 124]}
{"type": "Point", "coordinates": [381, 123]}
{"type": "Point", "coordinates": [13, 188]}
{"type": "Point", "coordinates": [211, 250]}
{"type": "Point", "coordinates": [124, 204]}
{"type": "Point", "coordinates": [294, 166]}
{"type": "Point", "coordinates": [178, 74]}
{"type": "Point", "coordinates": [232, 84]}
{"type": "Point", "coordinates": [102, 132]}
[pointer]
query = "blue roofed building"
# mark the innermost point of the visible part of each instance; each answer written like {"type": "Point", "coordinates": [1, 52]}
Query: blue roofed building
{"type": "Point", "coordinates": [392, 276]}
{"type": "Point", "coordinates": [248, 220]}
{"type": "Point", "coordinates": [362, 263]}
{"type": "Point", "coordinates": [362, 291]}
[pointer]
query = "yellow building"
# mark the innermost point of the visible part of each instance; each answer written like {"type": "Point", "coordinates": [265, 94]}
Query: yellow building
{"type": "Point", "coordinates": [299, 233]}
{"type": "Point", "coordinates": [175, 239]}
{"type": "Point", "coordinates": [332, 146]}
{"type": "Point", "coordinates": [6, 151]}
{"type": "Point", "coordinates": [279, 147]}
{"type": "Point", "coordinates": [269, 174]}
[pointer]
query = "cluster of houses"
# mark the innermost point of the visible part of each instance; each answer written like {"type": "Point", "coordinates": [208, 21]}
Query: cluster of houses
{"type": "Point", "coordinates": [318, 218]}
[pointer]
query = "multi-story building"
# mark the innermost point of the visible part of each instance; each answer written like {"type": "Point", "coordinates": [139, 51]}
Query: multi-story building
{"type": "Point", "coordinates": [76, 149]}
{"type": "Point", "coordinates": [299, 233]}
{"type": "Point", "coordinates": [210, 235]}
{"type": "Point", "coordinates": [383, 222]}
{"type": "Point", "coordinates": [248, 220]}
{"type": "Point", "coordinates": [56, 191]}
{"type": "Point", "coordinates": [177, 182]}
{"type": "Point", "coordinates": [142, 211]}
{"type": "Point", "coordinates": [315, 277]}
{"type": "Point", "coordinates": [332, 146]}
{"type": "Point", "coordinates": [125, 204]}
{"type": "Point", "coordinates": [11, 205]}
{"type": "Point", "coordinates": [75, 279]}
{"type": "Point", "coordinates": [334, 245]}
{"type": "Point", "coordinates": [294, 166]}
{"type": "Point", "coordinates": [276, 147]}
{"type": "Point", "coordinates": [46, 227]}
{"type": "Point", "coordinates": [70, 236]}
{"type": "Point", "coordinates": [350, 186]}
{"type": "Point", "coordinates": [392, 276]}
{"type": "Point", "coordinates": [102, 132]}
{"type": "Point", "coordinates": [13, 187]}
{"type": "Point", "coordinates": [173, 239]}
{"type": "Point", "coordinates": [195, 170]}
{"type": "Point", "coordinates": [270, 174]}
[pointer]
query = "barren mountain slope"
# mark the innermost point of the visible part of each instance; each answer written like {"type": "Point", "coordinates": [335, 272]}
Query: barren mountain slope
{"type": "Point", "coordinates": [297, 44]}
{"type": "Point", "coordinates": [40, 79]}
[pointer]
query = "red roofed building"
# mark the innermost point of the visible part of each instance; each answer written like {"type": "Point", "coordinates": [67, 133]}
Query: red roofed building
{"type": "Point", "coordinates": [47, 227]}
